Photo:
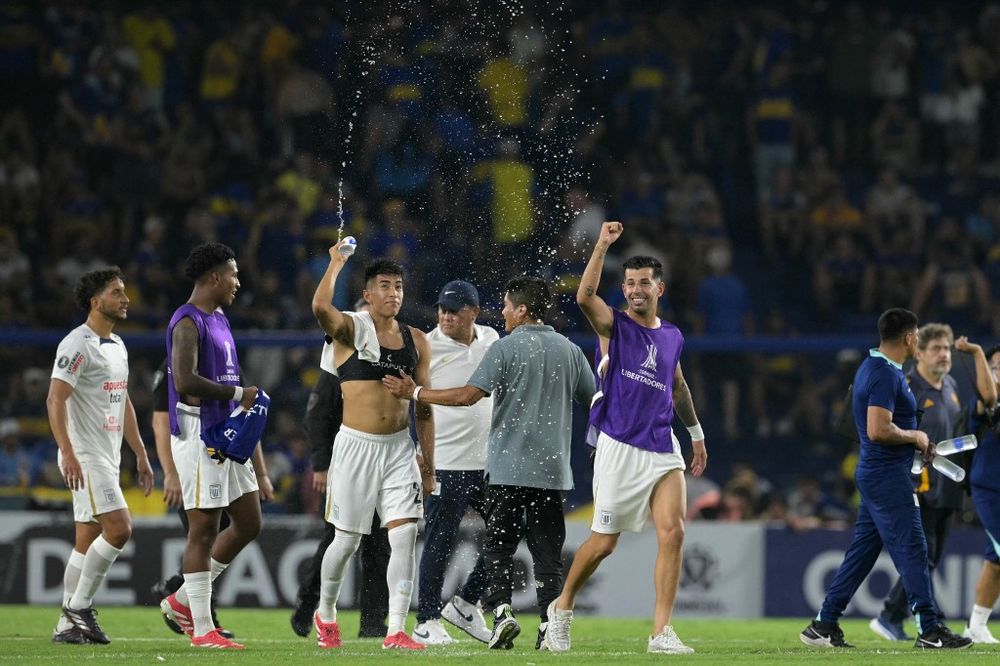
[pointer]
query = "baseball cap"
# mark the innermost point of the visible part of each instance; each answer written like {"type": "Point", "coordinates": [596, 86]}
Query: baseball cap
{"type": "Point", "coordinates": [237, 436]}
{"type": "Point", "coordinates": [458, 293]}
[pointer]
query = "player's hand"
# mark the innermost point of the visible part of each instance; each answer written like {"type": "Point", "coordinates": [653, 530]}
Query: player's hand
{"type": "Point", "coordinates": [72, 472]}
{"type": "Point", "coordinates": [610, 232]}
{"type": "Point", "coordinates": [145, 476]}
{"type": "Point", "coordinates": [428, 480]}
{"type": "Point", "coordinates": [963, 345]}
{"type": "Point", "coordinates": [265, 488]}
{"type": "Point", "coordinates": [249, 395]}
{"type": "Point", "coordinates": [319, 481]}
{"type": "Point", "coordinates": [172, 490]}
{"type": "Point", "coordinates": [401, 387]}
{"type": "Point", "coordinates": [699, 458]}
{"type": "Point", "coordinates": [336, 257]}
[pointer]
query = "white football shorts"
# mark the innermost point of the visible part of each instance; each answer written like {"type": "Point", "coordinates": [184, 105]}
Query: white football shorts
{"type": "Point", "coordinates": [371, 473]}
{"type": "Point", "coordinates": [102, 493]}
{"type": "Point", "coordinates": [205, 482]}
{"type": "Point", "coordinates": [624, 478]}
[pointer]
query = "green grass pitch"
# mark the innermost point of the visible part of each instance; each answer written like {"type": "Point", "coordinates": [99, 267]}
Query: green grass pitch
{"type": "Point", "coordinates": [139, 636]}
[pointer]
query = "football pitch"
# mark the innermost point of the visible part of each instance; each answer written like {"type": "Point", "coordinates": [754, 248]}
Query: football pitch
{"type": "Point", "coordinates": [139, 636]}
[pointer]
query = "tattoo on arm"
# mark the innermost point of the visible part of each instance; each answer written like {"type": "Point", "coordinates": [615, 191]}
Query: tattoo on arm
{"type": "Point", "coordinates": [590, 291]}
{"type": "Point", "coordinates": [683, 403]}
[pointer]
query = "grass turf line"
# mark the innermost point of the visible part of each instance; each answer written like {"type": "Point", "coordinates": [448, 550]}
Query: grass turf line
{"type": "Point", "coordinates": [139, 636]}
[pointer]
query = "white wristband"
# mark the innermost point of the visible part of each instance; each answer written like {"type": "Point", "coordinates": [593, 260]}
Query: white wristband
{"type": "Point", "coordinates": [696, 432]}
{"type": "Point", "coordinates": [416, 393]}
{"type": "Point", "coordinates": [238, 393]}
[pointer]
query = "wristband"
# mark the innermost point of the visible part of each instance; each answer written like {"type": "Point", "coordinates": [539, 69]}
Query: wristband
{"type": "Point", "coordinates": [416, 392]}
{"type": "Point", "coordinates": [238, 393]}
{"type": "Point", "coordinates": [696, 432]}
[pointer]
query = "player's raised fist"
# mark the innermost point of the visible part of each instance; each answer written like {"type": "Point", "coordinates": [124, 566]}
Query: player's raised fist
{"type": "Point", "coordinates": [610, 232]}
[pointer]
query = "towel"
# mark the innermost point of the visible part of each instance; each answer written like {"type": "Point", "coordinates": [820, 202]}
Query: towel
{"type": "Point", "coordinates": [365, 338]}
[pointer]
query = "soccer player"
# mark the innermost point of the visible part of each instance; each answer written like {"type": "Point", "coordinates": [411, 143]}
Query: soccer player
{"type": "Point", "coordinates": [458, 344]}
{"type": "Point", "coordinates": [203, 381]}
{"type": "Point", "coordinates": [639, 469]}
{"type": "Point", "coordinates": [885, 416]}
{"type": "Point", "coordinates": [944, 417]}
{"type": "Point", "coordinates": [89, 411]}
{"type": "Point", "coordinates": [172, 495]}
{"type": "Point", "coordinates": [984, 479]}
{"type": "Point", "coordinates": [374, 467]}
{"type": "Point", "coordinates": [534, 376]}
{"type": "Point", "coordinates": [324, 414]}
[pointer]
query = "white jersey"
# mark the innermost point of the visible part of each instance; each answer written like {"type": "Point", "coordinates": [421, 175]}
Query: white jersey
{"type": "Point", "coordinates": [460, 433]}
{"type": "Point", "coordinates": [97, 369]}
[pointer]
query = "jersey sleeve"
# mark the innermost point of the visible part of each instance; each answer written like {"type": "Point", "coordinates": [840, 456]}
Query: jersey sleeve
{"type": "Point", "coordinates": [71, 360]}
{"type": "Point", "coordinates": [490, 372]}
{"type": "Point", "coordinates": [882, 390]}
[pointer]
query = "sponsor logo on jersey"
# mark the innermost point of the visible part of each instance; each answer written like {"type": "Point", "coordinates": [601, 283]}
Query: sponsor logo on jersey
{"type": "Point", "coordinates": [650, 362]}
{"type": "Point", "coordinates": [116, 386]}
{"type": "Point", "coordinates": [75, 364]}
{"type": "Point", "coordinates": [112, 425]}
{"type": "Point", "coordinates": [62, 362]}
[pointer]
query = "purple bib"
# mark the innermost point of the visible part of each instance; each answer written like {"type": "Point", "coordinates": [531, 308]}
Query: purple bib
{"type": "Point", "coordinates": [217, 362]}
{"type": "Point", "coordinates": [637, 405]}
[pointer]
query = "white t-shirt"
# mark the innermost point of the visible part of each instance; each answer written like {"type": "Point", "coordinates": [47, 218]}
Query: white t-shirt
{"type": "Point", "coordinates": [460, 433]}
{"type": "Point", "coordinates": [98, 372]}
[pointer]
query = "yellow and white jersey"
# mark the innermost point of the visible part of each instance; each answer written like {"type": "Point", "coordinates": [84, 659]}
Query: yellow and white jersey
{"type": "Point", "coordinates": [97, 369]}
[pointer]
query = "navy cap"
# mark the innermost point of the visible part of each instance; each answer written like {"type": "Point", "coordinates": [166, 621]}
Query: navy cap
{"type": "Point", "coordinates": [458, 293]}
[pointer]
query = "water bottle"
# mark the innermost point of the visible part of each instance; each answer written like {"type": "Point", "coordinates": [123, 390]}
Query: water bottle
{"type": "Point", "coordinates": [949, 469]}
{"type": "Point", "coordinates": [917, 465]}
{"type": "Point", "coordinates": [954, 445]}
{"type": "Point", "coordinates": [348, 247]}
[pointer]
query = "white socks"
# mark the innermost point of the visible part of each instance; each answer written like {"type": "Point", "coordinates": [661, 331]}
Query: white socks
{"type": "Point", "coordinates": [979, 615]}
{"type": "Point", "coordinates": [331, 572]}
{"type": "Point", "coordinates": [216, 569]}
{"type": "Point", "coordinates": [399, 576]}
{"type": "Point", "coordinates": [199, 593]}
{"type": "Point", "coordinates": [70, 580]}
{"type": "Point", "coordinates": [99, 558]}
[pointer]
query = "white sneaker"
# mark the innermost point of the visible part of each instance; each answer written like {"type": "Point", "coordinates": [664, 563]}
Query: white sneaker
{"type": "Point", "coordinates": [431, 632]}
{"type": "Point", "coordinates": [667, 642]}
{"type": "Point", "coordinates": [557, 633]}
{"type": "Point", "coordinates": [979, 635]}
{"type": "Point", "coordinates": [467, 617]}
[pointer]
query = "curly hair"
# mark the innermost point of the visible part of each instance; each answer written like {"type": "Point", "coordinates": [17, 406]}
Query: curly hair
{"type": "Point", "coordinates": [92, 283]}
{"type": "Point", "coordinates": [205, 257]}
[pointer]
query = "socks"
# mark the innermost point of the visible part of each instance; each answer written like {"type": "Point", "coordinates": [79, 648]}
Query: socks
{"type": "Point", "coordinates": [99, 558]}
{"type": "Point", "coordinates": [199, 593]}
{"type": "Point", "coordinates": [979, 615]}
{"type": "Point", "coordinates": [216, 569]}
{"type": "Point", "coordinates": [70, 580]}
{"type": "Point", "coordinates": [331, 572]}
{"type": "Point", "coordinates": [399, 575]}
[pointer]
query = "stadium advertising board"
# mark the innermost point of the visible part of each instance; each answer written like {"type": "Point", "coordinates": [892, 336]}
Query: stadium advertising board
{"type": "Point", "coordinates": [722, 574]}
{"type": "Point", "coordinates": [800, 566]}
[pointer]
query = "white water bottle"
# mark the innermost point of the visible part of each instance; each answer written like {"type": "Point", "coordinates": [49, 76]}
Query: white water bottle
{"type": "Point", "coordinates": [917, 465]}
{"type": "Point", "coordinates": [949, 469]}
{"type": "Point", "coordinates": [947, 447]}
{"type": "Point", "coordinates": [348, 246]}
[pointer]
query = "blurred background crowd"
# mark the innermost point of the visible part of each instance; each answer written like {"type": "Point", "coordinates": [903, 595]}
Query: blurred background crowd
{"type": "Point", "coordinates": [798, 170]}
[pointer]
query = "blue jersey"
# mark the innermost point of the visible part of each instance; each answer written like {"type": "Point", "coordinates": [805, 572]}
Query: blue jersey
{"type": "Point", "coordinates": [985, 472]}
{"type": "Point", "coordinates": [879, 382]}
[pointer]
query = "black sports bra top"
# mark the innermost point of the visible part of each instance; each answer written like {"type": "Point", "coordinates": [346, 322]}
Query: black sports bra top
{"type": "Point", "coordinates": [391, 362]}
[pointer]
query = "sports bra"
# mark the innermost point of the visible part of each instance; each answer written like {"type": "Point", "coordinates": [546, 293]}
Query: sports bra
{"type": "Point", "coordinates": [391, 362]}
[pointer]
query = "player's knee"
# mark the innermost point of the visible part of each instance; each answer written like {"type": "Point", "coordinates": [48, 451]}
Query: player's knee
{"type": "Point", "coordinates": [671, 533]}
{"type": "Point", "coordinates": [403, 536]}
{"type": "Point", "coordinates": [602, 545]}
{"type": "Point", "coordinates": [118, 534]}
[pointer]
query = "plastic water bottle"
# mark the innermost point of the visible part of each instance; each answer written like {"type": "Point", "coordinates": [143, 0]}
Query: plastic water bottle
{"type": "Point", "coordinates": [954, 445]}
{"type": "Point", "coordinates": [918, 463]}
{"type": "Point", "coordinates": [348, 246]}
{"type": "Point", "coordinates": [949, 469]}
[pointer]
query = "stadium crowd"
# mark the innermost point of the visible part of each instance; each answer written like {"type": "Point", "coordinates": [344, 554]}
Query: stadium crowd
{"type": "Point", "coordinates": [802, 169]}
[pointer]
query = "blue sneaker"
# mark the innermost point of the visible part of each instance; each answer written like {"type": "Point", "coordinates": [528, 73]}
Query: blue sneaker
{"type": "Point", "coordinates": [890, 631]}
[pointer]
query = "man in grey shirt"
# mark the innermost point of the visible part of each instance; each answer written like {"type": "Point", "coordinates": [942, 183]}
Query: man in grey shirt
{"type": "Point", "coordinates": [534, 375]}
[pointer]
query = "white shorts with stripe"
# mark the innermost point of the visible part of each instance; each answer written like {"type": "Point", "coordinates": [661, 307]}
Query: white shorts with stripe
{"type": "Point", "coordinates": [624, 478]}
{"type": "Point", "coordinates": [102, 493]}
{"type": "Point", "coordinates": [371, 473]}
{"type": "Point", "coordinates": [206, 483]}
